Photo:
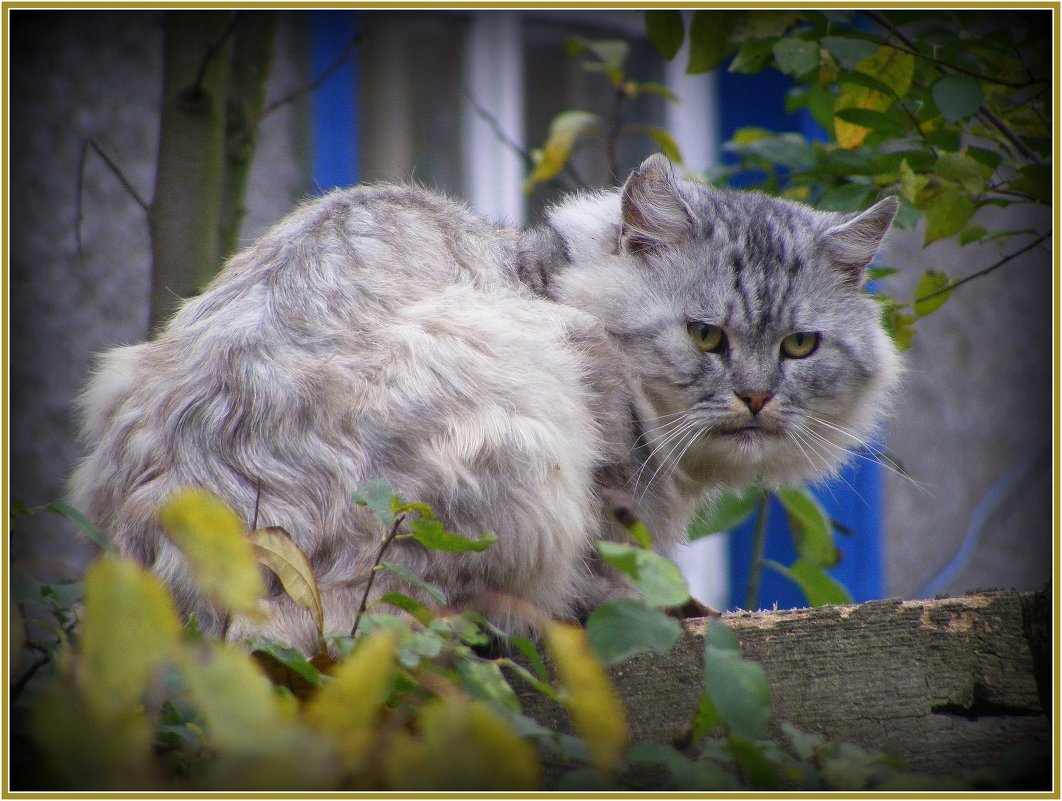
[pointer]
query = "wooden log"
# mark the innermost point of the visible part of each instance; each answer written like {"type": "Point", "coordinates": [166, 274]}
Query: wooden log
{"type": "Point", "coordinates": [948, 686]}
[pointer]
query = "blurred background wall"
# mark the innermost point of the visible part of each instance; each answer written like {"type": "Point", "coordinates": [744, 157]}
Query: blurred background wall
{"type": "Point", "coordinates": [971, 427]}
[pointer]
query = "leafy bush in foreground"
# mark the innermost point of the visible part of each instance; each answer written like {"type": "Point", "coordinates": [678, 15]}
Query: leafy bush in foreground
{"type": "Point", "coordinates": [114, 692]}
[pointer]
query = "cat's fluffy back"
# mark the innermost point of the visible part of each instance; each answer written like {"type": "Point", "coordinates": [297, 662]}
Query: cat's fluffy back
{"type": "Point", "coordinates": [379, 332]}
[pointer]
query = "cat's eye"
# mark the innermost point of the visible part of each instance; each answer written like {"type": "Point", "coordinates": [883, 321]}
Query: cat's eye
{"type": "Point", "coordinates": [800, 345]}
{"type": "Point", "coordinates": [709, 338]}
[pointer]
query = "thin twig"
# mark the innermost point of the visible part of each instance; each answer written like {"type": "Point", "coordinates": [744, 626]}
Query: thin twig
{"type": "Point", "coordinates": [310, 86]}
{"type": "Point", "coordinates": [985, 271]}
{"type": "Point", "coordinates": [31, 671]}
{"type": "Point", "coordinates": [212, 52]}
{"type": "Point", "coordinates": [92, 143]}
{"type": "Point", "coordinates": [759, 543]}
{"type": "Point", "coordinates": [257, 498]}
{"type": "Point", "coordinates": [612, 137]}
{"type": "Point", "coordinates": [499, 132]}
{"type": "Point", "coordinates": [946, 69]}
{"type": "Point", "coordinates": [573, 179]}
{"type": "Point", "coordinates": [372, 572]}
{"type": "Point", "coordinates": [909, 47]}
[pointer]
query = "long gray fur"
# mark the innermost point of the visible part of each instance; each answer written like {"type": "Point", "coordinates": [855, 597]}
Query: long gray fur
{"type": "Point", "coordinates": [508, 378]}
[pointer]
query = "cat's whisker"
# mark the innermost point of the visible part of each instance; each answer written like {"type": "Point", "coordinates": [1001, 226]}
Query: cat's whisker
{"type": "Point", "coordinates": [692, 426]}
{"type": "Point", "coordinates": [876, 456]}
{"type": "Point", "coordinates": [880, 456]}
{"type": "Point", "coordinates": [815, 437]}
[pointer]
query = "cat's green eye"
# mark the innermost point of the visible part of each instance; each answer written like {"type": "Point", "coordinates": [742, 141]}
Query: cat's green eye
{"type": "Point", "coordinates": [709, 338]}
{"type": "Point", "coordinates": [800, 345]}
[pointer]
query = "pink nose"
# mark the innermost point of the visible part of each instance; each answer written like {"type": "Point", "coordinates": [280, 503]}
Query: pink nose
{"type": "Point", "coordinates": [755, 400]}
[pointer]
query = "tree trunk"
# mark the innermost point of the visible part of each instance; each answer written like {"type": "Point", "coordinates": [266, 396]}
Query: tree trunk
{"type": "Point", "coordinates": [949, 686]}
{"type": "Point", "coordinates": [189, 178]}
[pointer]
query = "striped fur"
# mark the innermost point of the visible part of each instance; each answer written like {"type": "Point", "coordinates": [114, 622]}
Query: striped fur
{"type": "Point", "coordinates": [511, 379]}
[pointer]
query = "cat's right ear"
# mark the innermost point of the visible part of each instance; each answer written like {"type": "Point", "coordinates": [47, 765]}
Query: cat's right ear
{"type": "Point", "coordinates": [852, 245]}
{"type": "Point", "coordinates": [654, 213]}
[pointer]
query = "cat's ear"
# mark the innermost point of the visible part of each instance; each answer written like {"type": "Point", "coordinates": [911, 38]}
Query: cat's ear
{"type": "Point", "coordinates": [654, 213]}
{"type": "Point", "coordinates": [852, 244]}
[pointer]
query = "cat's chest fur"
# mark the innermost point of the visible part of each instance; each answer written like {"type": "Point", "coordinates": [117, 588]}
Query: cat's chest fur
{"type": "Point", "coordinates": [511, 380]}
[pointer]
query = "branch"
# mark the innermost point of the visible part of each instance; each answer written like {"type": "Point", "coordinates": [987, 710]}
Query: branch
{"type": "Point", "coordinates": [984, 272]}
{"type": "Point", "coordinates": [310, 86]}
{"type": "Point", "coordinates": [908, 46]}
{"type": "Point", "coordinates": [212, 52]}
{"type": "Point", "coordinates": [372, 572]}
{"type": "Point", "coordinates": [79, 204]}
{"type": "Point", "coordinates": [573, 179]}
{"type": "Point", "coordinates": [945, 69]}
{"type": "Point", "coordinates": [31, 671]}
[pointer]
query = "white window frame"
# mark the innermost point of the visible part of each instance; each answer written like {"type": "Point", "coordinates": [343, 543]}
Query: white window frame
{"type": "Point", "coordinates": [494, 174]}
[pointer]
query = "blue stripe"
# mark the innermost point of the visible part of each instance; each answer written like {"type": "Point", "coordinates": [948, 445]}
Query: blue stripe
{"type": "Point", "coordinates": [335, 115]}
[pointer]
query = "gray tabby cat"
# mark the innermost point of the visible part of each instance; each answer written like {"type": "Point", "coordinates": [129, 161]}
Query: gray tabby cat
{"type": "Point", "coordinates": [661, 340]}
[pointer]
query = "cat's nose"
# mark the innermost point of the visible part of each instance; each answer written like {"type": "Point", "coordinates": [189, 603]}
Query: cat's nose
{"type": "Point", "coordinates": [755, 400]}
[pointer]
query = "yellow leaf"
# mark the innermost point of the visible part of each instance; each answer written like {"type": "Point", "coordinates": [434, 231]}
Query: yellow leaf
{"type": "Point", "coordinates": [462, 745]}
{"type": "Point", "coordinates": [213, 540]}
{"type": "Point", "coordinates": [276, 550]}
{"type": "Point", "coordinates": [595, 708]}
{"type": "Point", "coordinates": [563, 131]}
{"type": "Point", "coordinates": [249, 726]}
{"type": "Point", "coordinates": [889, 67]}
{"type": "Point", "coordinates": [130, 628]}
{"type": "Point", "coordinates": [346, 707]}
{"type": "Point", "coordinates": [84, 749]}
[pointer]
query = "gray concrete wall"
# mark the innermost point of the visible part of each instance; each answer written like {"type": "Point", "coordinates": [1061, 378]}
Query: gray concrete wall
{"type": "Point", "coordinates": [76, 76]}
{"type": "Point", "coordinates": [974, 416]}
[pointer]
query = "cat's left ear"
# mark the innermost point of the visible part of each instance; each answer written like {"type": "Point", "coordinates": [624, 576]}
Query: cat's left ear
{"type": "Point", "coordinates": [654, 212]}
{"type": "Point", "coordinates": [852, 244]}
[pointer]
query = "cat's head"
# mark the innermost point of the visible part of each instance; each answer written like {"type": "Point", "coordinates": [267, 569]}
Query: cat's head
{"type": "Point", "coordinates": [745, 319]}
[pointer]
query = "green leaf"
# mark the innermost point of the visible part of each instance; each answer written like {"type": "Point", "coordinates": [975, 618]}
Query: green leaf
{"type": "Point", "coordinates": [847, 197]}
{"type": "Point", "coordinates": [626, 627]}
{"type": "Point", "coordinates": [1035, 181]}
{"type": "Point", "coordinates": [666, 31]}
{"type": "Point", "coordinates": [957, 96]}
{"type": "Point", "coordinates": [724, 513]}
{"type": "Point", "coordinates": [484, 680]}
{"type": "Point", "coordinates": [818, 586]}
{"type": "Point", "coordinates": [417, 610]}
{"type": "Point", "coordinates": [290, 658]}
{"type": "Point", "coordinates": [611, 55]}
{"type": "Point", "coordinates": [848, 52]}
{"type": "Point", "coordinates": [931, 292]}
{"type": "Point", "coordinates": [706, 721]}
{"type": "Point", "coordinates": [416, 581]}
{"type": "Point", "coordinates": [432, 534]}
{"type": "Point", "coordinates": [376, 495]}
{"type": "Point", "coordinates": [948, 215]}
{"type": "Point", "coordinates": [796, 57]}
{"type": "Point", "coordinates": [753, 56]}
{"type": "Point", "coordinates": [969, 174]}
{"type": "Point", "coordinates": [971, 233]}
{"type": "Point", "coordinates": [812, 530]}
{"type": "Point", "coordinates": [878, 273]}
{"type": "Point", "coordinates": [879, 121]}
{"type": "Point", "coordinates": [87, 527]}
{"type": "Point", "coordinates": [686, 774]}
{"type": "Point", "coordinates": [738, 689]}
{"type": "Point", "coordinates": [710, 39]}
{"type": "Point", "coordinates": [657, 578]}
{"type": "Point", "coordinates": [758, 771]}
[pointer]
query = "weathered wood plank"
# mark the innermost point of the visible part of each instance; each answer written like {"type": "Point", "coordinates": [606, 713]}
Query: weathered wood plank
{"type": "Point", "coordinates": [949, 686]}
